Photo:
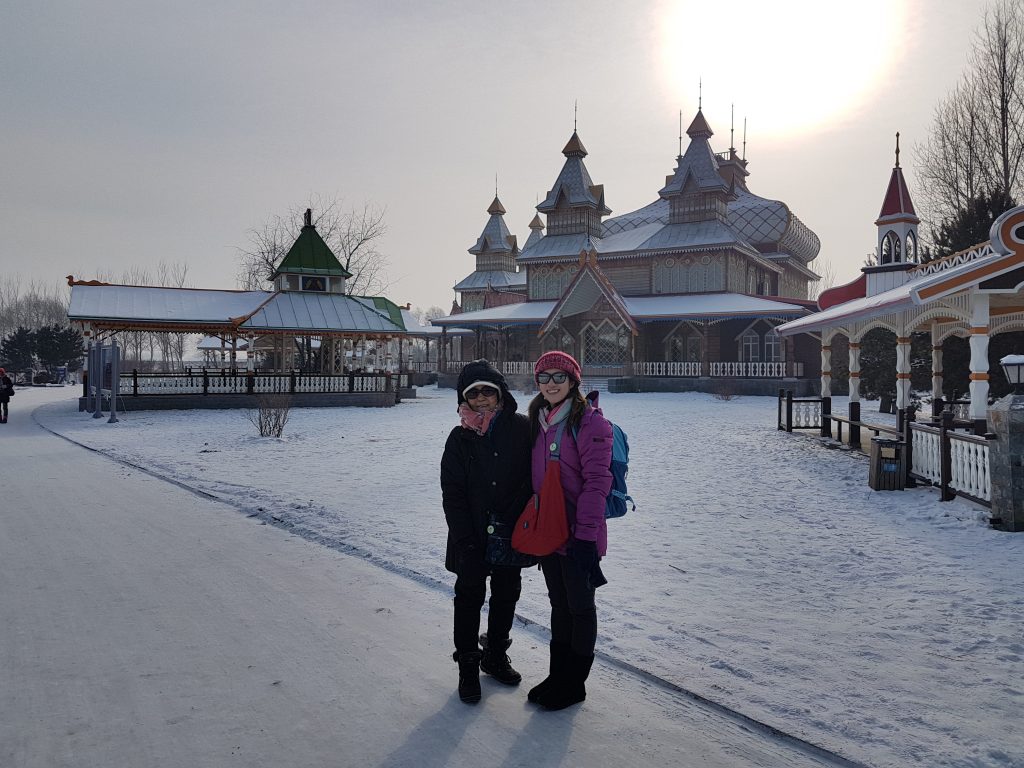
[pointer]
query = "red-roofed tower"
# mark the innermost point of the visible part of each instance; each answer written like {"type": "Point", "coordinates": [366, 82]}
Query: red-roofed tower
{"type": "Point", "coordinates": [897, 234]}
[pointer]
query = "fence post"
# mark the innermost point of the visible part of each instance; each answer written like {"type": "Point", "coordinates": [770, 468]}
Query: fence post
{"type": "Point", "coordinates": [778, 419]}
{"type": "Point", "coordinates": [908, 448]}
{"type": "Point", "coordinates": [291, 382]}
{"type": "Point", "coordinates": [854, 426]}
{"type": "Point", "coordinates": [826, 422]}
{"type": "Point", "coordinates": [206, 382]}
{"type": "Point", "coordinates": [945, 457]}
{"type": "Point", "coordinates": [250, 382]}
{"type": "Point", "coordinates": [789, 410]}
{"type": "Point", "coordinates": [938, 406]}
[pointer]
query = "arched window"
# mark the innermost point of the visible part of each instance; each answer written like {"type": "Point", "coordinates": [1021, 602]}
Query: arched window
{"type": "Point", "coordinates": [772, 347]}
{"type": "Point", "coordinates": [885, 257]}
{"type": "Point", "coordinates": [751, 346]}
{"type": "Point", "coordinates": [911, 248]}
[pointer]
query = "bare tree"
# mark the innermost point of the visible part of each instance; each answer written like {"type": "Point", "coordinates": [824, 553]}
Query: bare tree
{"type": "Point", "coordinates": [823, 283]}
{"type": "Point", "coordinates": [32, 307]}
{"type": "Point", "coordinates": [352, 234]}
{"type": "Point", "coordinates": [976, 143]}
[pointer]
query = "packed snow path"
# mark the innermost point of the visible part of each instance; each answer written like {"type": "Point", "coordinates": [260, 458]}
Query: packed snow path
{"type": "Point", "coordinates": [146, 625]}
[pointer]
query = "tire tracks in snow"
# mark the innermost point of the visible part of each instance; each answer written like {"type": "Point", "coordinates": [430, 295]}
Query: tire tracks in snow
{"type": "Point", "coordinates": [265, 516]}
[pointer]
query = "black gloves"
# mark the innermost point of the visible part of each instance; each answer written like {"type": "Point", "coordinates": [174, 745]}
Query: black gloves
{"type": "Point", "coordinates": [584, 554]}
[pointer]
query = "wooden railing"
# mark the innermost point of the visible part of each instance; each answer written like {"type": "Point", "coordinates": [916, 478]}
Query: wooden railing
{"type": "Point", "coordinates": [937, 454]}
{"type": "Point", "coordinates": [956, 462]}
{"type": "Point", "coordinates": [762, 370]}
{"type": "Point", "coordinates": [233, 382]}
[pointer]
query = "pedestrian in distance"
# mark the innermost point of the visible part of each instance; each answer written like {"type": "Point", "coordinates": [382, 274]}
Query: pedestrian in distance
{"type": "Point", "coordinates": [485, 483]}
{"type": "Point", "coordinates": [573, 572]}
{"type": "Point", "coordinates": [6, 393]}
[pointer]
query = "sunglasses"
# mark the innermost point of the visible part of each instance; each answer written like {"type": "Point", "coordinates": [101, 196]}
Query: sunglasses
{"type": "Point", "coordinates": [476, 392]}
{"type": "Point", "coordinates": [559, 378]}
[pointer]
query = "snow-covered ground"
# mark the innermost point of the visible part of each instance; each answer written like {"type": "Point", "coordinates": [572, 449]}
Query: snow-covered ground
{"type": "Point", "coordinates": [759, 570]}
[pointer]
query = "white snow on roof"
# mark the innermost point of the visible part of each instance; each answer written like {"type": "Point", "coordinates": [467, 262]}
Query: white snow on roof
{"type": "Point", "coordinates": [706, 305]}
{"type": "Point", "coordinates": [496, 279]}
{"type": "Point", "coordinates": [524, 312]}
{"type": "Point", "coordinates": [291, 310]}
{"type": "Point", "coordinates": [165, 305]}
{"type": "Point", "coordinates": [414, 328]}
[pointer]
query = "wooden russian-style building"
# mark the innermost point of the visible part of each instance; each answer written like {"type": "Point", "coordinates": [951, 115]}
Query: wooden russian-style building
{"type": "Point", "coordinates": [682, 294]}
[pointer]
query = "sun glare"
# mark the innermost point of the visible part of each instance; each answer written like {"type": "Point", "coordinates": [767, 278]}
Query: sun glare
{"type": "Point", "coordinates": [790, 66]}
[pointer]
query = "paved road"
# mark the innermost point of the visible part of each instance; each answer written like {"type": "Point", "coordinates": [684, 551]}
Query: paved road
{"type": "Point", "coordinates": [142, 625]}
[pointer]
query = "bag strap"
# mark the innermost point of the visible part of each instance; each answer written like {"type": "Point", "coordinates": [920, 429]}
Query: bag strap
{"type": "Point", "coordinates": [555, 446]}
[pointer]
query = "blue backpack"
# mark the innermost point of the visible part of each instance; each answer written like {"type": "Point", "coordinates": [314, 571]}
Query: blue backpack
{"type": "Point", "coordinates": [616, 506]}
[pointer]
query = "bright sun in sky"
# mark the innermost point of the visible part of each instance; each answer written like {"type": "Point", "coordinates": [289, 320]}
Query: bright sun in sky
{"type": "Point", "coordinates": [788, 66]}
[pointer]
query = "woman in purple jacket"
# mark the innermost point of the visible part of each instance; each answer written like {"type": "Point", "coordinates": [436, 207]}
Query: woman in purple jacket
{"type": "Point", "coordinates": [574, 571]}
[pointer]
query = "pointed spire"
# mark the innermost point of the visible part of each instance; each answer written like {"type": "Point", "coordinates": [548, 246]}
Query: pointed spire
{"type": "Point", "coordinates": [536, 223]}
{"type": "Point", "coordinates": [575, 147]}
{"type": "Point", "coordinates": [699, 127]}
{"type": "Point", "coordinates": [496, 208]}
{"type": "Point", "coordinates": [897, 200]}
{"type": "Point", "coordinates": [732, 128]}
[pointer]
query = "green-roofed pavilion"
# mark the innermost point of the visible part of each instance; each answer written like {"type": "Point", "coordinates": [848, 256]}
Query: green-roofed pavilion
{"type": "Point", "coordinates": [310, 255]}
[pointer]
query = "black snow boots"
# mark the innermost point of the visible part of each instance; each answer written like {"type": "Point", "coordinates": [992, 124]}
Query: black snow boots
{"type": "Point", "coordinates": [469, 675]}
{"type": "Point", "coordinates": [495, 661]}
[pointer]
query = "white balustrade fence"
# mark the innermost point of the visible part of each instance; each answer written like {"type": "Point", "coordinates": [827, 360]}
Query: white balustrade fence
{"type": "Point", "coordinates": [927, 454]}
{"type": "Point", "coordinates": [969, 465]}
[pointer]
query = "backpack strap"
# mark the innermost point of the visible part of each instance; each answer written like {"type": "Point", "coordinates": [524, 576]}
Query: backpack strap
{"type": "Point", "coordinates": [555, 446]}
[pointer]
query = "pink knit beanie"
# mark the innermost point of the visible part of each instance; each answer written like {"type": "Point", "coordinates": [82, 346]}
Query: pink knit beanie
{"type": "Point", "coordinates": [559, 361]}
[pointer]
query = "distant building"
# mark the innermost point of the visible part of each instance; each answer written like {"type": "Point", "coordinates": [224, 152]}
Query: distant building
{"type": "Point", "coordinates": [682, 294]}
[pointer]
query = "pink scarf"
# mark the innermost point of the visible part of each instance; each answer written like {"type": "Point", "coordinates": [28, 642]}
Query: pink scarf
{"type": "Point", "coordinates": [478, 422]}
{"type": "Point", "coordinates": [548, 419]}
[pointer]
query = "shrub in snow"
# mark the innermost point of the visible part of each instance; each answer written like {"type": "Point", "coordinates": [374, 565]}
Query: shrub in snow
{"type": "Point", "coordinates": [270, 414]}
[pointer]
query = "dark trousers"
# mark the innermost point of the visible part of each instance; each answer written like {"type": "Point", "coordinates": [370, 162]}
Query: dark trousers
{"type": "Point", "coordinates": [573, 613]}
{"type": "Point", "coordinates": [470, 591]}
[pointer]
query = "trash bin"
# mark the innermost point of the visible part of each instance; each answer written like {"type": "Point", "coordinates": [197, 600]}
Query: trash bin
{"type": "Point", "coordinates": [888, 470]}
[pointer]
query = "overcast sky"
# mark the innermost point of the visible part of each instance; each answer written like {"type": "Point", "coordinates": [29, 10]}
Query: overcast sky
{"type": "Point", "coordinates": [135, 132]}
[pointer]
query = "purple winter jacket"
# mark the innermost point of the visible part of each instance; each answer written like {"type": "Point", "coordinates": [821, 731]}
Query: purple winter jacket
{"type": "Point", "coordinates": [586, 475]}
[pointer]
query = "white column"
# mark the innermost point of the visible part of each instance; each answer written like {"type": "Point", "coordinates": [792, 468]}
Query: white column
{"type": "Point", "coordinates": [902, 367]}
{"type": "Point", "coordinates": [854, 371]}
{"type": "Point", "coordinates": [979, 356]}
{"type": "Point", "coordinates": [936, 362]}
{"type": "Point", "coordinates": [826, 366]}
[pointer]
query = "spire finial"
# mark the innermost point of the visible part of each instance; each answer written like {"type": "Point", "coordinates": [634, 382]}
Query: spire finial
{"type": "Point", "coordinates": [575, 111]}
{"type": "Point", "coordinates": [700, 93]}
{"type": "Point", "coordinates": [744, 158]}
{"type": "Point", "coordinates": [495, 184]}
{"type": "Point", "coordinates": [732, 128]}
{"type": "Point", "coordinates": [308, 219]}
{"type": "Point", "coordinates": [897, 149]}
{"type": "Point", "coordinates": [680, 133]}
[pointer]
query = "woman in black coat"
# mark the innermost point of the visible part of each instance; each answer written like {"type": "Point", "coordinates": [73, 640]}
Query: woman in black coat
{"type": "Point", "coordinates": [485, 483]}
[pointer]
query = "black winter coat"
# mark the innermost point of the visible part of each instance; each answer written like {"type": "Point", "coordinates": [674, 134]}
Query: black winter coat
{"type": "Point", "coordinates": [484, 474]}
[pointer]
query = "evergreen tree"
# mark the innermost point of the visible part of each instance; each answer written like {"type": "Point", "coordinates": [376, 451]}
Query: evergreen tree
{"type": "Point", "coordinates": [971, 224]}
{"type": "Point", "coordinates": [57, 345]}
{"type": "Point", "coordinates": [18, 349]}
